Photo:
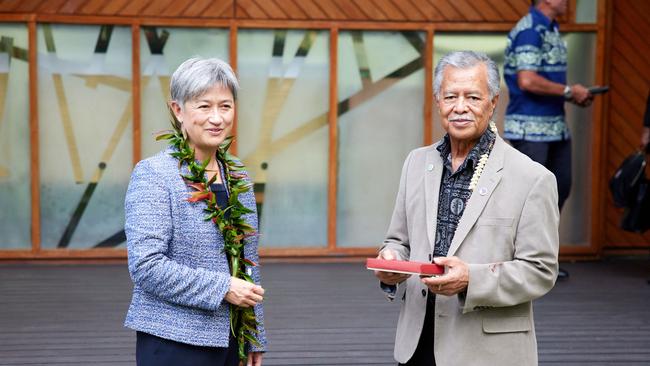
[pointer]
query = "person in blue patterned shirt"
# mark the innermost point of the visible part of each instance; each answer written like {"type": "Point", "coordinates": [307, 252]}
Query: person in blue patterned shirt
{"type": "Point", "coordinates": [535, 73]}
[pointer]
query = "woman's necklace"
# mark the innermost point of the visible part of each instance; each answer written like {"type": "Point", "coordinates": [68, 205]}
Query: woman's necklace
{"type": "Point", "coordinates": [233, 226]}
{"type": "Point", "coordinates": [214, 172]}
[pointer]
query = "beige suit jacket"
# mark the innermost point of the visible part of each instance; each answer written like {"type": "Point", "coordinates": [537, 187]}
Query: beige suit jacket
{"type": "Point", "coordinates": [508, 236]}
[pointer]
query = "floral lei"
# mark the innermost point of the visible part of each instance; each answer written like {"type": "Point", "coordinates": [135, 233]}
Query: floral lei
{"type": "Point", "coordinates": [243, 323]}
{"type": "Point", "coordinates": [482, 160]}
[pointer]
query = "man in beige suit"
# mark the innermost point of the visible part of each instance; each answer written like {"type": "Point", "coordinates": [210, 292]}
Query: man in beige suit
{"type": "Point", "coordinates": [488, 214]}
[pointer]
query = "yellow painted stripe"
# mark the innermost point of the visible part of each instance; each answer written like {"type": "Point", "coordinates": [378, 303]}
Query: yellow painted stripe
{"type": "Point", "coordinates": [115, 82]}
{"type": "Point", "coordinates": [164, 86]}
{"type": "Point", "coordinates": [68, 129]}
{"type": "Point", "coordinates": [277, 91]}
{"type": "Point", "coordinates": [298, 133]}
{"type": "Point", "coordinates": [120, 127]}
{"type": "Point", "coordinates": [4, 78]}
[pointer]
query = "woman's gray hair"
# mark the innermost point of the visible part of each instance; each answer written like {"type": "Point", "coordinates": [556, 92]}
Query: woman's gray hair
{"type": "Point", "coordinates": [466, 60]}
{"type": "Point", "coordinates": [196, 76]}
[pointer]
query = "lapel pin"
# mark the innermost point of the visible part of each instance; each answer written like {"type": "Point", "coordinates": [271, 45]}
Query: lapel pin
{"type": "Point", "coordinates": [482, 191]}
{"type": "Point", "coordinates": [430, 167]}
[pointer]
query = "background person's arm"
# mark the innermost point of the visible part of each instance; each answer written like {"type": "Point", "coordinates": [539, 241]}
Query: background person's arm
{"type": "Point", "coordinates": [532, 82]}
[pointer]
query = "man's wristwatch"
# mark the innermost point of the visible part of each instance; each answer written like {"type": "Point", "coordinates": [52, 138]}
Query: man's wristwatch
{"type": "Point", "coordinates": [567, 92]}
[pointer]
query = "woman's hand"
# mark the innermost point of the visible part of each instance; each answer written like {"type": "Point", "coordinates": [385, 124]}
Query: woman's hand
{"type": "Point", "coordinates": [254, 359]}
{"type": "Point", "coordinates": [243, 293]}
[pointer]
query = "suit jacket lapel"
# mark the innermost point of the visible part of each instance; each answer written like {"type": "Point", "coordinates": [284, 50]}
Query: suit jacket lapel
{"type": "Point", "coordinates": [432, 175]}
{"type": "Point", "coordinates": [486, 184]}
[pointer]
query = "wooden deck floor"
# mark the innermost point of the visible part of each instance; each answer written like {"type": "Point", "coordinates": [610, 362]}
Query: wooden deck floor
{"type": "Point", "coordinates": [323, 314]}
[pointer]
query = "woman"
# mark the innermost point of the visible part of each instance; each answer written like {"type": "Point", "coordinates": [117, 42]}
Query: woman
{"type": "Point", "coordinates": [192, 282]}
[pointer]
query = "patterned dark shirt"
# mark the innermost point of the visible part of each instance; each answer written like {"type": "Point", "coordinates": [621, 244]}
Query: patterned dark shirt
{"type": "Point", "coordinates": [454, 189]}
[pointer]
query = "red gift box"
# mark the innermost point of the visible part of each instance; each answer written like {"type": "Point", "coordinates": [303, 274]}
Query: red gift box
{"type": "Point", "coordinates": [407, 267]}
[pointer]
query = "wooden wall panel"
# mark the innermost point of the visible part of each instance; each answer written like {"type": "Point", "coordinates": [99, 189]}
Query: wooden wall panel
{"type": "Point", "coordinates": [91, 7]}
{"type": "Point", "coordinates": [340, 10]}
{"type": "Point", "coordinates": [199, 7]}
{"type": "Point", "coordinates": [70, 7]}
{"type": "Point", "coordinates": [147, 8]}
{"type": "Point", "coordinates": [27, 6]}
{"type": "Point", "coordinates": [154, 8]}
{"type": "Point", "coordinates": [492, 11]}
{"type": "Point", "coordinates": [113, 7]}
{"type": "Point", "coordinates": [8, 6]}
{"type": "Point", "coordinates": [51, 6]}
{"type": "Point", "coordinates": [630, 85]}
{"type": "Point", "coordinates": [428, 11]}
{"type": "Point", "coordinates": [505, 10]}
{"type": "Point", "coordinates": [133, 8]}
{"type": "Point", "coordinates": [384, 10]}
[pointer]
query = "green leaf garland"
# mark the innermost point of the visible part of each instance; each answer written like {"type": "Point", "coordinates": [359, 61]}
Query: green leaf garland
{"type": "Point", "coordinates": [243, 323]}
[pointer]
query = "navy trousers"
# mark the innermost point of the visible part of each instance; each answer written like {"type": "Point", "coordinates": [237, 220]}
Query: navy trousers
{"type": "Point", "coordinates": [155, 351]}
{"type": "Point", "coordinates": [556, 157]}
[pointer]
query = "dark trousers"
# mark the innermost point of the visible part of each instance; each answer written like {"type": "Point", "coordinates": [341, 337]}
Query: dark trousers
{"type": "Point", "coordinates": [556, 157]}
{"type": "Point", "coordinates": [423, 355]}
{"type": "Point", "coordinates": [155, 351]}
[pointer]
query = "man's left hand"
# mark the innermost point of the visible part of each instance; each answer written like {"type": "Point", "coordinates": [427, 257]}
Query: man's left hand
{"type": "Point", "coordinates": [454, 281]}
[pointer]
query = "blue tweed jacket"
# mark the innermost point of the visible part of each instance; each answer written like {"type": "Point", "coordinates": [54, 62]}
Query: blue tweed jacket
{"type": "Point", "coordinates": [176, 259]}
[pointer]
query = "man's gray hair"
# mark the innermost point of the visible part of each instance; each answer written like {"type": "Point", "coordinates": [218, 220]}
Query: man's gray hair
{"type": "Point", "coordinates": [466, 60]}
{"type": "Point", "coordinates": [196, 76]}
